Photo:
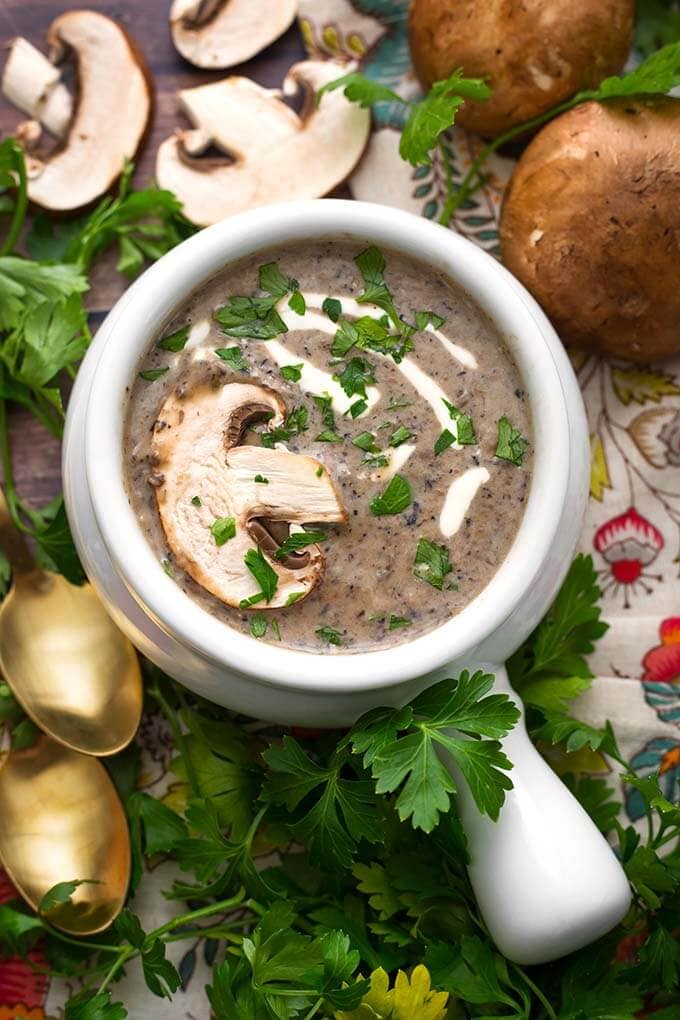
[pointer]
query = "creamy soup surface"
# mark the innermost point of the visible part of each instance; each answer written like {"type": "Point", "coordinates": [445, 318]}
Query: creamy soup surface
{"type": "Point", "coordinates": [420, 435]}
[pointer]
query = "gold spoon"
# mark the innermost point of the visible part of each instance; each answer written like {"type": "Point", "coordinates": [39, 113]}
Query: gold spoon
{"type": "Point", "coordinates": [68, 665]}
{"type": "Point", "coordinates": [62, 820]}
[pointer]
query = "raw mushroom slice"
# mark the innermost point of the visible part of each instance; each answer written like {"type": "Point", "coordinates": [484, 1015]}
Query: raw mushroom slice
{"type": "Point", "coordinates": [270, 153]}
{"type": "Point", "coordinates": [221, 33]}
{"type": "Point", "coordinates": [111, 114]}
{"type": "Point", "coordinates": [33, 84]}
{"type": "Point", "coordinates": [205, 475]}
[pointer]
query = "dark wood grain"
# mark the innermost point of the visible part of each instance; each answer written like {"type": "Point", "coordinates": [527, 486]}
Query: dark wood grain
{"type": "Point", "coordinates": [36, 454]}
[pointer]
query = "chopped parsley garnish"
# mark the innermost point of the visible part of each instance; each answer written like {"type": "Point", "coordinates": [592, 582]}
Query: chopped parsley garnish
{"type": "Point", "coordinates": [325, 405]}
{"type": "Point", "coordinates": [233, 357]}
{"type": "Point", "coordinates": [167, 568]}
{"type": "Point", "coordinates": [396, 497]}
{"type": "Point", "coordinates": [254, 318]}
{"type": "Point", "coordinates": [345, 338]}
{"type": "Point", "coordinates": [424, 319]}
{"type": "Point", "coordinates": [294, 423]}
{"type": "Point", "coordinates": [511, 444]}
{"type": "Point", "coordinates": [297, 302]}
{"type": "Point", "coordinates": [366, 442]}
{"type": "Point", "coordinates": [432, 563]}
{"type": "Point", "coordinates": [371, 265]}
{"type": "Point", "coordinates": [328, 436]}
{"type": "Point", "coordinates": [294, 597]}
{"type": "Point", "coordinates": [271, 279]}
{"type": "Point", "coordinates": [196, 500]}
{"type": "Point", "coordinates": [396, 405]}
{"type": "Point", "coordinates": [175, 341]}
{"type": "Point", "coordinates": [465, 430]}
{"type": "Point", "coordinates": [357, 408]}
{"type": "Point", "coordinates": [151, 374]}
{"type": "Point", "coordinates": [292, 373]}
{"type": "Point", "coordinates": [276, 629]}
{"type": "Point", "coordinates": [400, 436]}
{"type": "Point", "coordinates": [396, 622]}
{"type": "Point", "coordinates": [222, 529]}
{"type": "Point", "coordinates": [264, 574]}
{"type": "Point", "coordinates": [332, 307]}
{"type": "Point", "coordinates": [261, 480]}
{"type": "Point", "coordinates": [258, 625]}
{"type": "Point", "coordinates": [356, 374]}
{"type": "Point", "coordinates": [319, 471]}
{"type": "Point", "coordinates": [445, 440]}
{"type": "Point", "coordinates": [329, 635]}
{"type": "Point", "coordinates": [375, 460]}
{"type": "Point", "coordinates": [299, 540]}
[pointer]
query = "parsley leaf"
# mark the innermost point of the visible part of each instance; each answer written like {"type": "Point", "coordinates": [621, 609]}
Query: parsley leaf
{"type": "Point", "coordinates": [151, 374]}
{"type": "Point", "coordinates": [271, 279]}
{"type": "Point", "coordinates": [175, 341]}
{"type": "Point", "coordinates": [292, 373]}
{"type": "Point", "coordinates": [327, 810]}
{"type": "Point", "coordinates": [656, 75]}
{"type": "Point", "coordinates": [465, 430]}
{"type": "Point", "coordinates": [264, 574]}
{"type": "Point", "coordinates": [366, 441]}
{"type": "Point", "coordinates": [355, 376]}
{"type": "Point", "coordinates": [371, 265]}
{"type": "Point", "coordinates": [88, 1005]}
{"type": "Point", "coordinates": [434, 114]}
{"type": "Point", "coordinates": [233, 357]}
{"type": "Point", "coordinates": [424, 319]}
{"type": "Point", "coordinates": [395, 498]}
{"type": "Point", "coordinates": [432, 563]}
{"type": "Point", "coordinates": [399, 436]}
{"type": "Point", "coordinates": [397, 622]}
{"type": "Point", "coordinates": [297, 303]}
{"type": "Point", "coordinates": [299, 540]}
{"type": "Point", "coordinates": [400, 747]}
{"type": "Point", "coordinates": [444, 440]}
{"type": "Point", "coordinates": [223, 529]}
{"type": "Point", "coordinates": [295, 422]}
{"type": "Point", "coordinates": [332, 308]}
{"type": "Point", "coordinates": [329, 635]}
{"type": "Point", "coordinates": [254, 318]}
{"type": "Point", "coordinates": [61, 893]}
{"type": "Point", "coordinates": [357, 408]}
{"type": "Point", "coordinates": [511, 445]}
{"type": "Point", "coordinates": [258, 625]}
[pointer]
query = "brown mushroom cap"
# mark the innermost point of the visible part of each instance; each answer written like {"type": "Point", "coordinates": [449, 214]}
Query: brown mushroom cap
{"type": "Point", "coordinates": [591, 226]}
{"type": "Point", "coordinates": [112, 110]}
{"type": "Point", "coordinates": [196, 454]}
{"type": "Point", "coordinates": [271, 153]}
{"type": "Point", "coordinates": [221, 33]}
{"type": "Point", "coordinates": [534, 54]}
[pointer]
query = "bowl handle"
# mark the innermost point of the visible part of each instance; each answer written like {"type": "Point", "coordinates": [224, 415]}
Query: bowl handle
{"type": "Point", "coordinates": [546, 880]}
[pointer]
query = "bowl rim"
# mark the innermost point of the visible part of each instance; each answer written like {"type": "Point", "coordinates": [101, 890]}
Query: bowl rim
{"type": "Point", "coordinates": [151, 300]}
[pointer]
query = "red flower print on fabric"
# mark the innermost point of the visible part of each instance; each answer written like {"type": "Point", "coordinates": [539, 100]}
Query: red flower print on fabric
{"type": "Point", "coordinates": [628, 543]}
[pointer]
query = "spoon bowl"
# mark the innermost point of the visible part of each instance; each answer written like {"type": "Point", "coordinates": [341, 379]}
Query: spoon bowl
{"type": "Point", "coordinates": [68, 665]}
{"type": "Point", "coordinates": [62, 820]}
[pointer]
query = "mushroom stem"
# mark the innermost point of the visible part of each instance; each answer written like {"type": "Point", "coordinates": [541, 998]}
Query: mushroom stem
{"type": "Point", "coordinates": [33, 84]}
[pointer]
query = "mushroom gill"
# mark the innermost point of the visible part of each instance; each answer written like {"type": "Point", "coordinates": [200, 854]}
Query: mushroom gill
{"type": "Point", "coordinates": [207, 476]}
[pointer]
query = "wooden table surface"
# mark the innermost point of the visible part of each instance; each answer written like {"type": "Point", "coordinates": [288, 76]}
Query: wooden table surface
{"type": "Point", "coordinates": [35, 452]}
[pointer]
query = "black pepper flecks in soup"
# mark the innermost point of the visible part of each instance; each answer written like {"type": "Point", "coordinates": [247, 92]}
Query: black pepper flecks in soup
{"type": "Point", "coordinates": [328, 446]}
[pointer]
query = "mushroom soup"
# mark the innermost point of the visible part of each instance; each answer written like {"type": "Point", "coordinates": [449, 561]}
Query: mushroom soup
{"type": "Point", "coordinates": [327, 446]}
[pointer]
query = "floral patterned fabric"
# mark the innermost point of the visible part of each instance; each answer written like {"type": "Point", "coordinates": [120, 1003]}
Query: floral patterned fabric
{"type": "Point", "coordinates": [632, 527]}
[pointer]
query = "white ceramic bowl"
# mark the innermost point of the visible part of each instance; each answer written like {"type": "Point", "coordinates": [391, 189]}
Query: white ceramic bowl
{"type": "Point", "coordinates": [545, 878]}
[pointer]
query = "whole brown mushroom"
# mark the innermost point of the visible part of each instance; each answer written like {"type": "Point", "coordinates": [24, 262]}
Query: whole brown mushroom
{"type": "Point", "coordinates": [533, 53]}
{"type": "Point", "coordinates": [591, 226]}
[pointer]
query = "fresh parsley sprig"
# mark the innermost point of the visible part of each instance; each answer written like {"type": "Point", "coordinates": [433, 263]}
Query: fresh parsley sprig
{"type": "Point", "coordinates": [429, 118]}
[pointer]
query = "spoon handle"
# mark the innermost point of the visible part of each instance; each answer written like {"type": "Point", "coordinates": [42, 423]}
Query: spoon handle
{"type": "Point", "coordinates": [12, 542]}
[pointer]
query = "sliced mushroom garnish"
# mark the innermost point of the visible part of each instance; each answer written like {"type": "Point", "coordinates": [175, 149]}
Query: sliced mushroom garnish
{"type": "Point", "coordinates": [111, 114]}
{"type": "Point", "coordinates": [208, 477]}
{"type": "Point", "coordinates": [33, 84]}
{"type": "Point", "coordinates": [270, 153]}
{"type": "Point", "coordinates": [221, 33]}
